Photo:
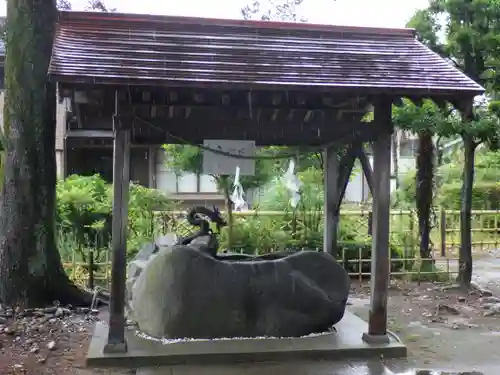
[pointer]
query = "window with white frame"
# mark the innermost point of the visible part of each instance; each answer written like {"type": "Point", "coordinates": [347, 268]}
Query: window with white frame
{"type": "Point", "coordinates": [169, 182]}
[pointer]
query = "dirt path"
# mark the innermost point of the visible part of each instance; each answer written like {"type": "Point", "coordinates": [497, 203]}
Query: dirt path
{"type": "Point", "coordinates": [486, 271]}
{"type": "Point", "coordinates": [443, 327]}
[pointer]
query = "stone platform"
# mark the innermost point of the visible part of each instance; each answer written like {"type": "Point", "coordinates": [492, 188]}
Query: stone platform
{"type": "Point", "coordinates": [346, 343]}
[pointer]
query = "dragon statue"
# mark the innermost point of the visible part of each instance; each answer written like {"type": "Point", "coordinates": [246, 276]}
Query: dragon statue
{"type": "Point", "coordinates": [204, 238]}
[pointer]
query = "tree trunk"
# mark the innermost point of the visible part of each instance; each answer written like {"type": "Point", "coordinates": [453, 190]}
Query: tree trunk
{"type": "Point", "coordinates": [424, 194]}
{"type": "Point", "coordinates": [31, 273]}
{"type": "Point", "coordinates": [465, 256]}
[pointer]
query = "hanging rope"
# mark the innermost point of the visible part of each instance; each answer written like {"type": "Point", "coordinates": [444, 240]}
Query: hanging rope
{"type": "Point", "coordinates": [351, 136]}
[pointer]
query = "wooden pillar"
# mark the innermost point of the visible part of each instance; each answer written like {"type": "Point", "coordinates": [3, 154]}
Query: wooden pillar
{"type": "Point", "coordinates": [121, 176]}
{"type": "Point", "coordinates": [152, 167]}
{"type": "Point", "coordinates": [331, 174]}
{"type": "Point", "coordinates": [380, 270]}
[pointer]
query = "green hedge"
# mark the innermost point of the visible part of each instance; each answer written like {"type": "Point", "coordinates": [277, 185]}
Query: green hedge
{"type": "Point", "coordinates": [485, 195]}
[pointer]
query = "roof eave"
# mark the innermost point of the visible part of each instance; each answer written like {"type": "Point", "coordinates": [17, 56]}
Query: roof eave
{"type": "Point", "coordinates": [445, 92]}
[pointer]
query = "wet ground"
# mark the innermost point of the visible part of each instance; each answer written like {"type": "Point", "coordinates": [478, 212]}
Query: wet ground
{"type": "Point", "coordinates": [486, 272]}
{"type": "Point", "coordinates": [446, 331]}
{"type": "Point", "coordinates": [301, 368]}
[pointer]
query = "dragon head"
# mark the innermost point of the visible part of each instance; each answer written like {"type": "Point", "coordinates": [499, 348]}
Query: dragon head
{"type": "Point", "coordinates": [217, 218]}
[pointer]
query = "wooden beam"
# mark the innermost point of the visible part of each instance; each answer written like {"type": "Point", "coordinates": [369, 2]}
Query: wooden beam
{"type": "Point", "coordinates": [331, 170]}
{"type": "Point", "coordinates": [121, 176]}
{"type": "Point", "coordinates": [366, 166]}
{"type": "Point", "coordinates": [260, 129]}
{"type": "Point", "coordinates": [346, 167]}
{"type": "Point", "coordinates": [241, 99]}
{"type": "Point", "coordinates": [380, 269]}
{"type": "Point", "coordinates": [89, 133]}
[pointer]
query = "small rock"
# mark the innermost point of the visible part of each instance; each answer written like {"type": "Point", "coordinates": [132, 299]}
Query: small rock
{"type": "Point", "coordinates": [450, 287]}
{"type": "Point", "coordinates": [42, 360]}
{"type": "Point", "coordinates": [458, 324]}
{"type": "Point", "coordinates": [461, 299]}
{"type": "Point", "coordinates": [59, 312]}
{"type": "Point", "coordinates": [51, 345]}
{"type": "Point", "coordinates": [447, 309]}
{"type": "Point", "coordinates": [34, 349]}
{"type": "Point", "coordinates": [18, 366]}
{"type": "Point", "coordinates": [489, 300]}
{"type": "Point", "coordinates": [50, 310]}
{"type": "Point", "coordinates": [493, 310]}
{"type": "Point", "coordinates": [83, 310]}
{"type": "Point", "coordinates": [486, 293]}
{"type": "Point", "coordinates": [483, 292]}
{"type": "Point", "coordinates": [3, 320]}
{"type": "Point", "coordinates": [67, 311]}
{"type": "Point", "coordinates": [94, 312]}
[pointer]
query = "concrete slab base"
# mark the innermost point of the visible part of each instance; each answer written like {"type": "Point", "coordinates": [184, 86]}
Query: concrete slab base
{"type": "Point", "coordinates": [346, 343]}
{"type": "Point", "coordinates": [376, 339]}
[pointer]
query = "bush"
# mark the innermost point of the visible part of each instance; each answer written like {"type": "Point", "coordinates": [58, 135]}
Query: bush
{"type": "Point", "coordinates": [84, 211]}
{"type": "Point", "coordinates": [404, 197]}
{"type": "Point", "coordinates": [486, 191]}
{"type": "Point", "coordinates": [257, 235]}
{"type": "Point", "coordinates": [83, 214]}
{"type": "Point", "coordinates": [485, 195]}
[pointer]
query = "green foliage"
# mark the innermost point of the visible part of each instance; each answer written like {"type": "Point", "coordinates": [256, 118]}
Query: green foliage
{"type": "Point", "coordinates": [428, 28]}
{"type": "Point", "coordinates": [84, 207]}
{"type": "Point", "coordinates": [273, 10]}
{"type": "Point", "coordinates": [262, 234]}
{"type": "Point", "coordinates": [277, 197]}
{"type": "Point", "coordinates": [302, 228]}
{"type": "Point", "coordinates": [484, 127]}
{"type": "Point", "coordinates": [183, 158]}
{"type": "Point", "coordinates": [472, 43]}
{"type": "Point", "coordinates": [404, 197]}
{"type": "Point", "coordinates": [418, 118]}
{"type": "Point", "coordinates": [485, 195]}
{"type": "Point", "coordinates": [82, 204]}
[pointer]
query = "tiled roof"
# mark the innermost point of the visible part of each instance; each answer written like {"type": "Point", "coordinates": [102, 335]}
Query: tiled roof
{"type": "Point", "coordinates": [157, 50]}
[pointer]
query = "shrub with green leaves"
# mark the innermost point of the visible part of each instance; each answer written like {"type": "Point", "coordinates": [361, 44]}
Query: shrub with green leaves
{"type": "Point", "coordinates": [84, 211]}
{"type": "Point", "coordinates": [485, 194]}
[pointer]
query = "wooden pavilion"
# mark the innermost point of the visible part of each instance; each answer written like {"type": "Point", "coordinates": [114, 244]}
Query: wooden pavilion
{"type": "Point", "coordinates": [153, 79]}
